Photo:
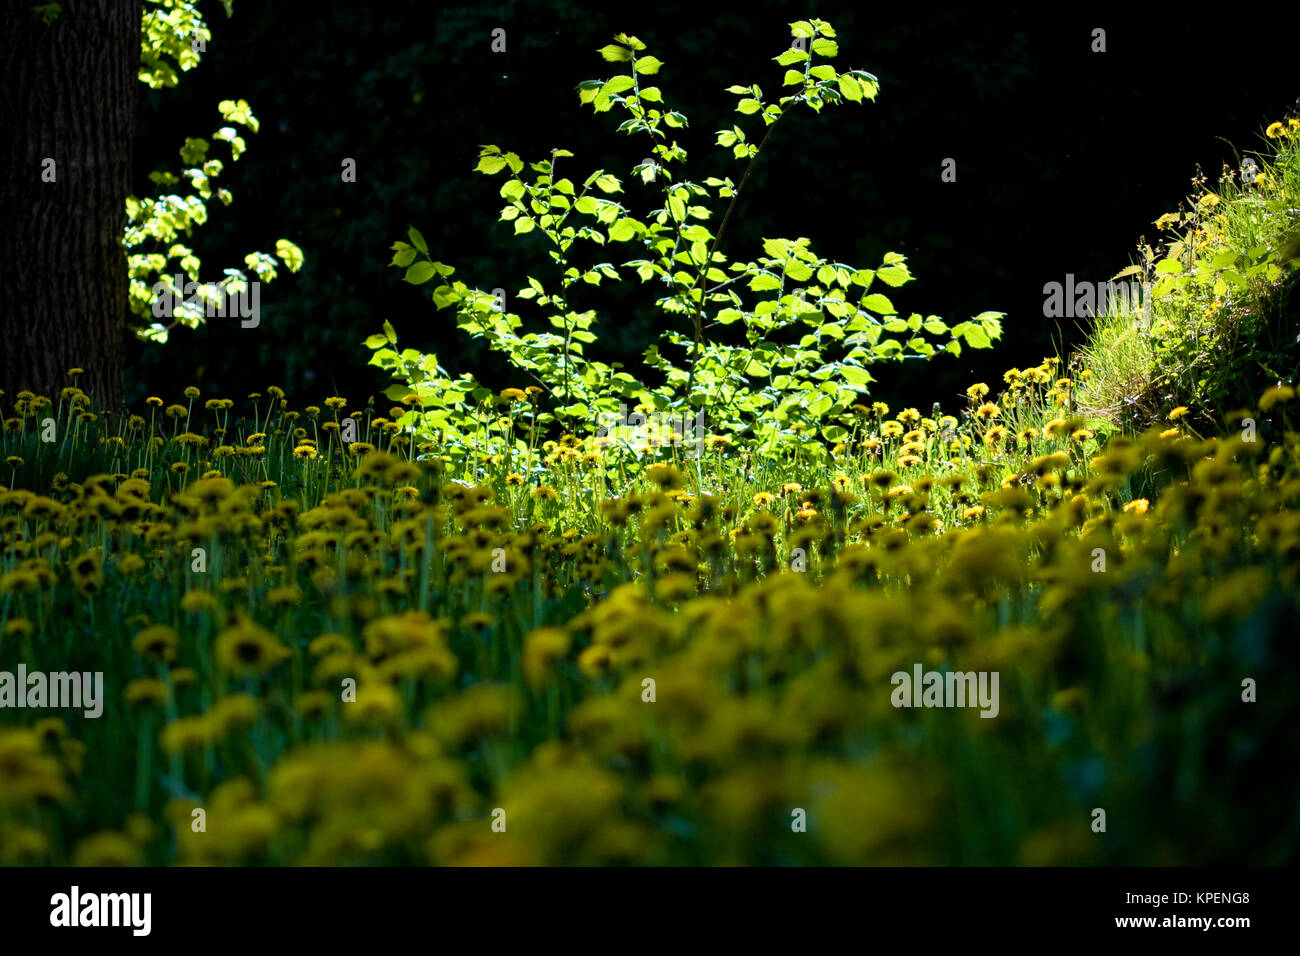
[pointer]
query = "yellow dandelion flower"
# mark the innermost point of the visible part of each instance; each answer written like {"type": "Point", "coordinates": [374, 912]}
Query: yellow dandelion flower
{"type": "Point", "coordinates": [158, 643]}
{"type": "Point", "coordinates": [247, 648]}
{"type": "Point", "coordinates": [596, 660]}
{"type": "Point", "coordinates": [146, 691]}
{"type": "Point", "coordinates": [1275, 395]}
{"type": "Point", "coordinates": [543, 648]}
{"type": "Point", "coordinates": [376, 704]}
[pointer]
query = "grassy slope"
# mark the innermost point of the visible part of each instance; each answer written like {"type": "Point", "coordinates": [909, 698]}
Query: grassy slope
{"type": "Point", "coordinates": [1225, 324]}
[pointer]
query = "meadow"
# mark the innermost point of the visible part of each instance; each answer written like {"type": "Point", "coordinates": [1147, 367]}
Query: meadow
{"type": "Point", "coordinates": [360, 654]}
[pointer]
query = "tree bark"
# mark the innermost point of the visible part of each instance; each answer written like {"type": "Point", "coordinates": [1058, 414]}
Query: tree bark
{"type": "Point", "coordinates": [69, 95]}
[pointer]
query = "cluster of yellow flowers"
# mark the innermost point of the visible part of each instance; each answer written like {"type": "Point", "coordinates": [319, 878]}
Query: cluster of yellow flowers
{"type": "Point", "coordinates": [353, 656]}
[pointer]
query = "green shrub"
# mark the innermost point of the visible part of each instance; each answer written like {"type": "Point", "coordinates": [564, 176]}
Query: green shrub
{"type": "Point", "coordinates": [772, 351]}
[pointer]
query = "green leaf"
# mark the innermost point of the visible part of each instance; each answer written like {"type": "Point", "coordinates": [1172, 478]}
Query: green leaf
{"type": "Point", "coordinates": [777, 248]}
{"type": "Point", "coordinates": [849, 88]}
{"type": "Point", "coordinates": [403, 257]}
{"type": "Point", "coordinates": [893, 276]}
{"type": "Point", "coordinates": [798, 271]}
{"type": "Point", "coordinates": [792, 78]}
{"type": "Point", "coordinates": [878, 303]}
{"type": "Point", "coordinates": [417, 239]}
{"type": "Point", "coordinates": [490, 165]}
{"type": "Point", "coordinates": [648, 64]}
{"type": "Point", "coordinates": [615, 53]}
{"type": "Point", "coordinates": [824, 47]}
{"type": "Point", "coordinates": [854, 375]}
{"type": "Point", "coordinates": [791, 57]}
{"type": "Point", "coordinates": [420, 273]}
{"type": "Point", "coordinates": [976, 337]}
{"type": "Point", "coordinates": [623, 230]}
{"type": "Point", "coordinates": [870, 85]}
{"type": "Point", "coordinates": [389, 332]}
{"type": "Point", "coordinates": [992, 322]}
{"type": "Point", "coordinates": [748, 106]}
{"type": "Point", "coordinates": [290, 254]}
{"type": "Point", "coordinates": [618, 84]}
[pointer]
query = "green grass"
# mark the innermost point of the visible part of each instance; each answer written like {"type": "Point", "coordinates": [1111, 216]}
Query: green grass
{"type": "Point", "coordinates": [1225, 325]}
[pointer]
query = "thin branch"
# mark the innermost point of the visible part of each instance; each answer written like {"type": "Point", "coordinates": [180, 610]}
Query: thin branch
{"type": "Point", "coordinates": [713, 247]}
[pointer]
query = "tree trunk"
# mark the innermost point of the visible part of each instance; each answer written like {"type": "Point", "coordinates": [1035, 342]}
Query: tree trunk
{"type": "Point", "coordinates": [69, 96]}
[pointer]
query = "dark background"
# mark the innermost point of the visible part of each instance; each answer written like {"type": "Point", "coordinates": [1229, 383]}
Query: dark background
{"type": "Point", "coordinates": [1064, 158]}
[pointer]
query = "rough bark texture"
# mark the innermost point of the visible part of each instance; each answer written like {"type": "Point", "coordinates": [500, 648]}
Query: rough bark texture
{"type": "Point", "coordinates": [69, 95]}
